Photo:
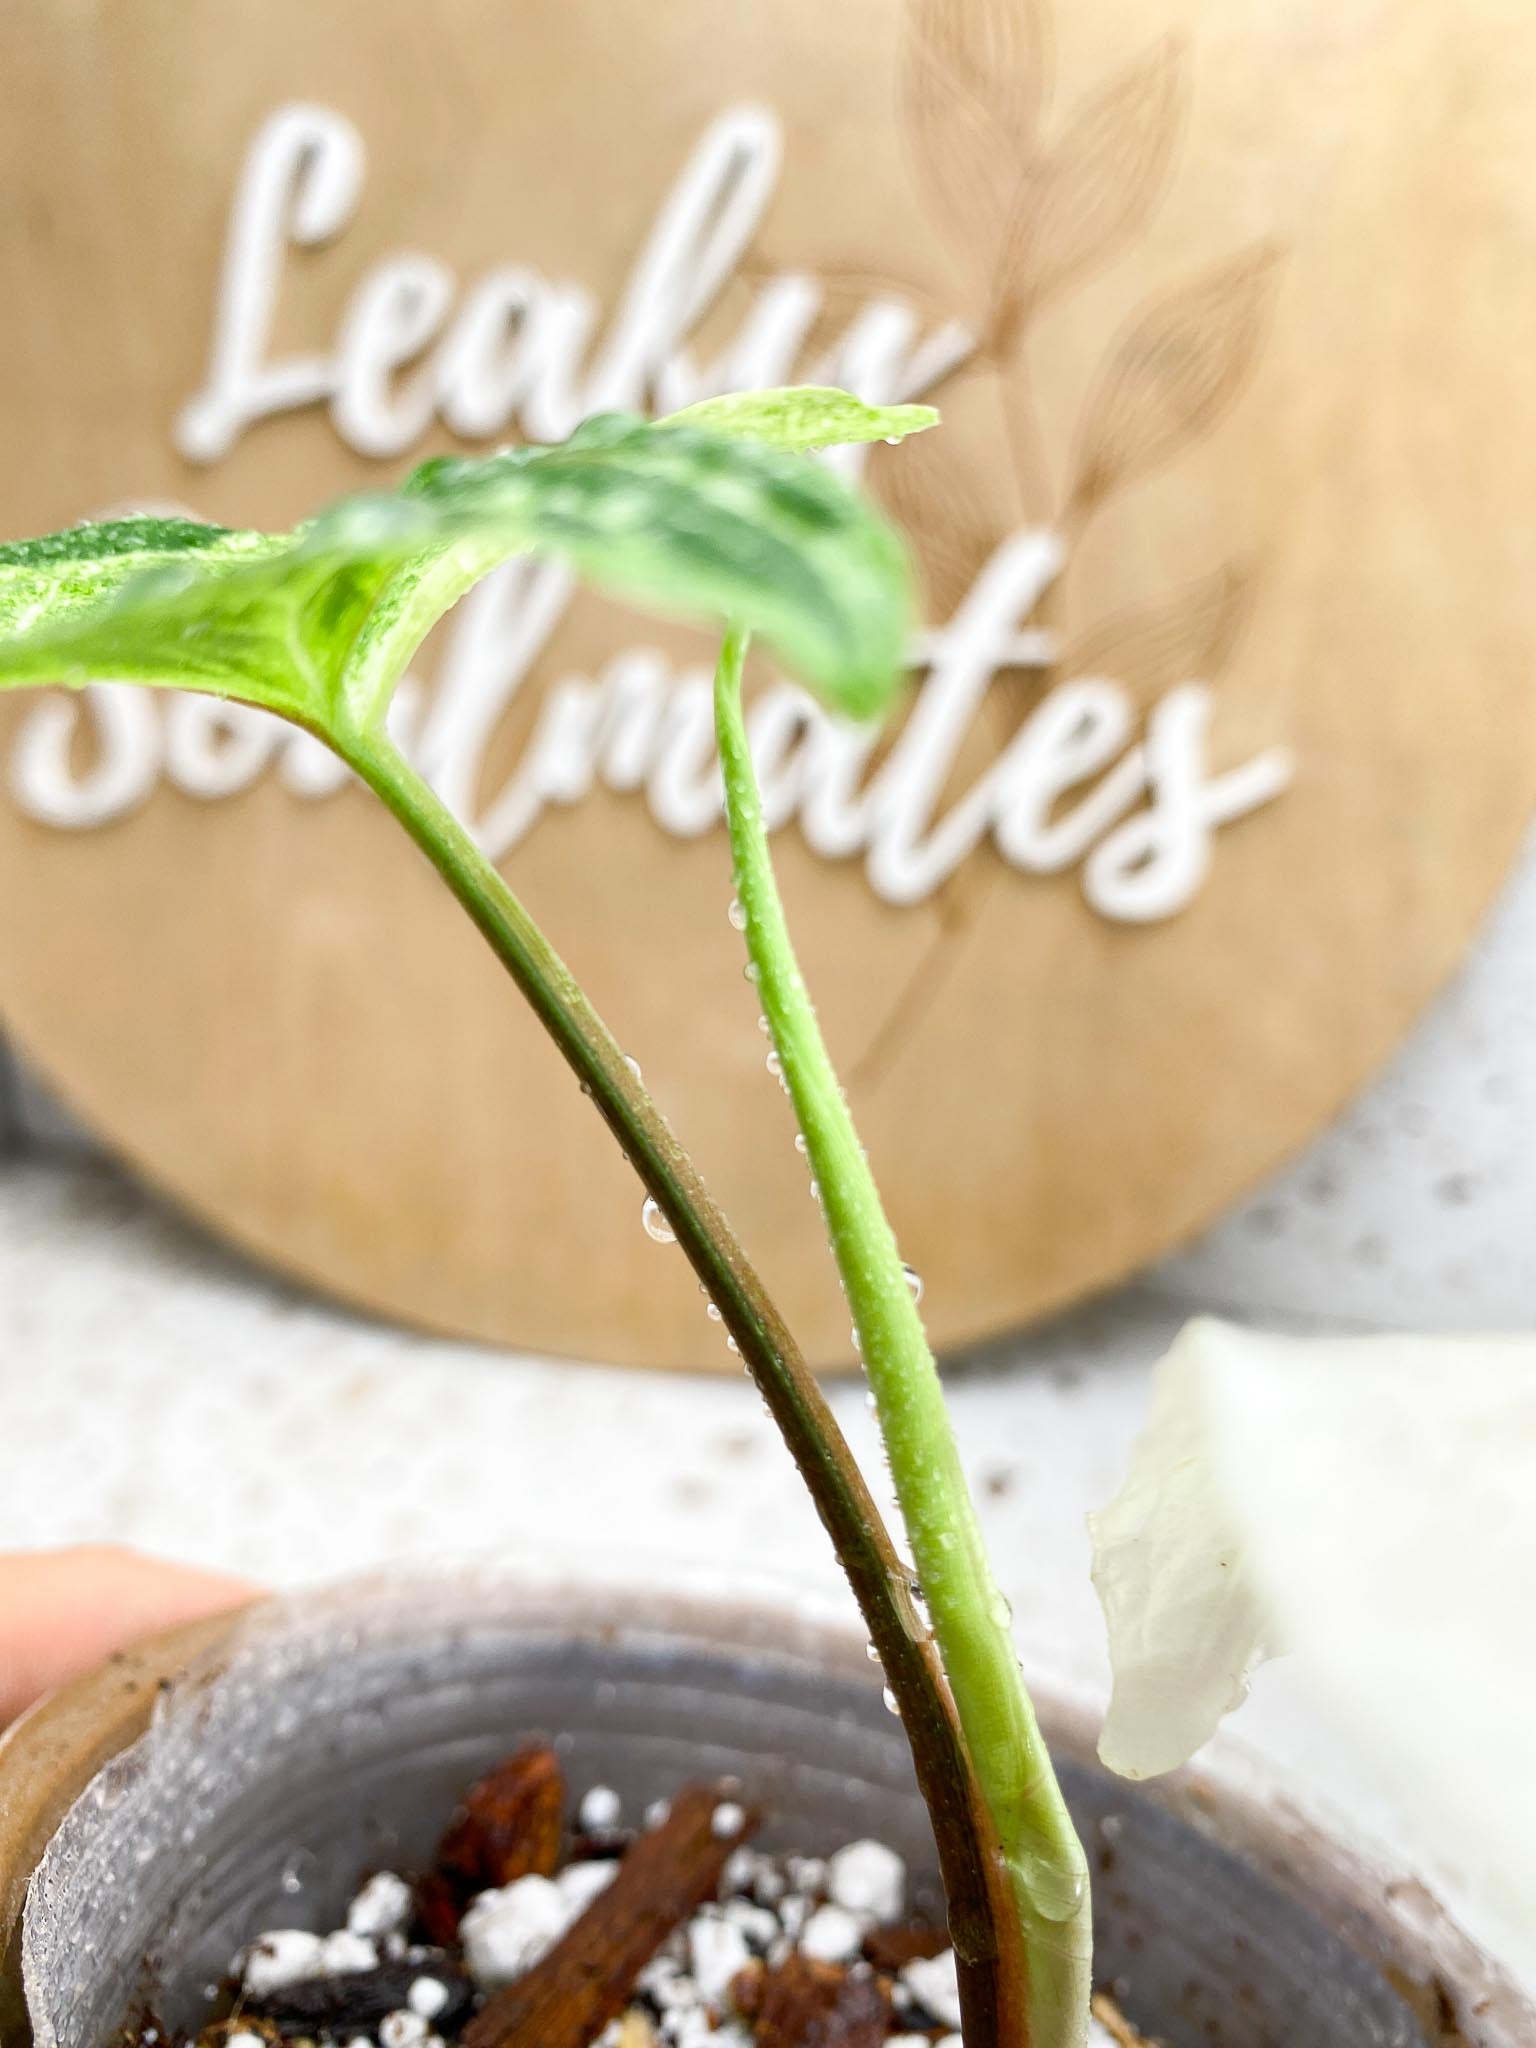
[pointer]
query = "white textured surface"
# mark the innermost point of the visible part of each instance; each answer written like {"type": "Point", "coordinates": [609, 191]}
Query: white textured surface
{"type": "Point", "coordinates": [1418, 1210]}
{"type": "Point", "coordinates": [158, 1390]}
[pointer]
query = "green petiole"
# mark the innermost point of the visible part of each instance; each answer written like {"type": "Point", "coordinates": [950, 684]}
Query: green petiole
{"type": "Point", "coordinates": [970, 1618]}
{"type": "Point", "coordinates": [992, 1967]}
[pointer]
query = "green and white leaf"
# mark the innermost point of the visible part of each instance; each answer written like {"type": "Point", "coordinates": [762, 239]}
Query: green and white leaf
{"type": "Point", "coordinates": [269, 618]}
{"type": "Point", "coordinates": [804, 417]}
{"type": "Point", "coordinates": [1369, 1505]}
{"type": "Point", "coordinates": [321, 623]}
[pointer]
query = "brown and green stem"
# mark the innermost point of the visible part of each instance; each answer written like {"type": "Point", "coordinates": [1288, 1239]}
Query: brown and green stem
{"type": "Point", "coordinates": [1046, 1866]}
{"type": "Point", "coordinates": [983, 1925]}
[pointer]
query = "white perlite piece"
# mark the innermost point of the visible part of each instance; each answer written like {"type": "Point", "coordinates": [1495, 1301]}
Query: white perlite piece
{"type": "Point", "coordinates": [404, 2030]}
{"type": "Point", "coordinates": [935, 1984]}
{"type": "Point", "coordinates": [506, 1932]}
{"type": "Point", "coordinates": [692, 2029]}
{"type": "Point", "coordinates": [579, 1883]}
{"type": "Point", "coordinates": [601, 1808]}
{"type": "Point", "coordinates": [832, 1935]}
{"type": "Point", "coordinates": [727, 1819]}
{"type": "Point", "coordinates": [757, 1923]}
{"type": "Point", "coordinates": [663, 1980]}
{"type": "Point", "coordinates": [427, 1996]}
{"type": "Point", "coordinates": [344, 1953]}
{"type": "Point", "coordinates": [867, 1878]}
{"type": "Point", "coordinates": [283, 1956]}
{"type": "Point", "coordinates": [717, 1952]}
{"type": "Point", "coordinates": [794, 1911]}
{"type": "Point", "coordinates": [383, 1906]}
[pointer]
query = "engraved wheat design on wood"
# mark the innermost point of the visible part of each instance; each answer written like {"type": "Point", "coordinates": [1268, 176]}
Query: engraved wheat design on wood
{"type": "Point", "coordinates": [1038, 206]}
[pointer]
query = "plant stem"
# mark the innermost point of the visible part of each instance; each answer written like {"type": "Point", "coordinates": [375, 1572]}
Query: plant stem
{"type": "Point", "coordinates": [993, 1992]}
{"type": "Point", "coordinates": [970, 1618]}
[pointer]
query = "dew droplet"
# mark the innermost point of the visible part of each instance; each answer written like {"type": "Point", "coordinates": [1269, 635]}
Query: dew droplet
{"type": "Point", "coordinates": [870, 1402]}
{"type": "Point", "coordinates": [633, 1065]}
{"type": "Point", "coordinates": [764, 1026]}
{"type": "Point", "coordinates": [775, 1066]}
{"type": "Point", "coordinates": [890, 1702]}
{"type": "Point", "coordinates": [872, 1653]}
{"type": "Point", "coordinates": [800, 1143]}
{"type": "Point", "coordinates": [914, 1281]}
{"type": "Point", "coordinates": [737, 915]}
{"type": "Point", "coordinates": [733, 1347]}
{"type": "Point", "coordinates": [749, 972]}
{"type": "Point", "coordinates": [712, 1310]}
{"type": "Point", "coordinates": [656, 1225]}
{"type": "Point", "coordinates": [1000, 1609]}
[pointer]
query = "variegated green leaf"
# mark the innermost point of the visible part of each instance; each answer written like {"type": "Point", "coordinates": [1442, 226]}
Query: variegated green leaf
{"type": "Point", "coordinates": [320, 624]}
{"type": "Point", "coordinates": [268, 618]}
{"type": "Point", "coordinates": [804, 417]}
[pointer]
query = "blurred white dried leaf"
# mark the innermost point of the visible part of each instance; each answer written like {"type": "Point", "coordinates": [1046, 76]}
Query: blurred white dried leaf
{"type": "Point", "coordinates": [1369, 1503]}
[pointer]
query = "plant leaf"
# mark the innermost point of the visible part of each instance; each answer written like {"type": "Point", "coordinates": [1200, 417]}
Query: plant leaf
{"type": "Point", "coordinates": [319, 624]}
{"type": "Point", "coordinates": [1366, 1503]}
{"type": "Point", "coordinates": [177, 603]}
{"type": "Point", "coordinates": [803, 418]}
{"type": "Point", "coordinates": [709, 526]}
{"type": "Point", "coordinates": [1100, 178]}
{"type": "Point", "coordinates": [1186, 1617]}
{"type": "Point", "coordinates": [1173, 374]}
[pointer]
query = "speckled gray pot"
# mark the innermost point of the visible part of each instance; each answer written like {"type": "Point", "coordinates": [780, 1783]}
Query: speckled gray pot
{"type": "Point", "coordinates": [317, 1738]}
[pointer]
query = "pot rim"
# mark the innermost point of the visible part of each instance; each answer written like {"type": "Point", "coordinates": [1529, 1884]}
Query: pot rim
{"type": "Point", "coordinates": [50, 1756]}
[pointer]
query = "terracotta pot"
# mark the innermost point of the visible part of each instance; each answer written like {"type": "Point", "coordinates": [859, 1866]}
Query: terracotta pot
{"type": "Point", "coordinates": [318, 1737]}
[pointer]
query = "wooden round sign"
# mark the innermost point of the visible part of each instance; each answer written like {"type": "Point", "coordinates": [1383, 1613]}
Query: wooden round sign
{"type": "Point", "coordinates": [1222, 729]}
